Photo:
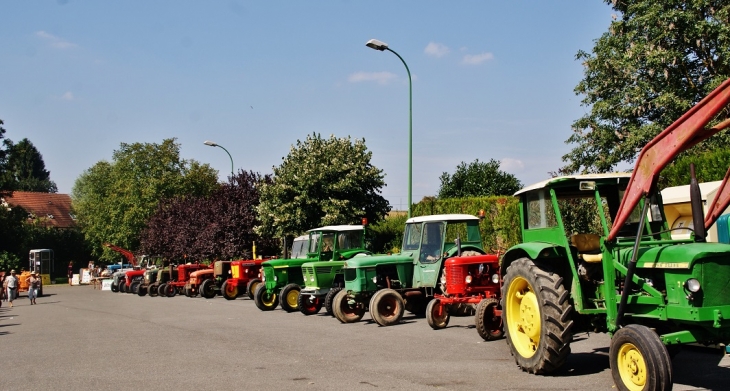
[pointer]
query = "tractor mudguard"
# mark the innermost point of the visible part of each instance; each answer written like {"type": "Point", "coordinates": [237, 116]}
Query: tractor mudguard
{"type": "Point", "coordinates": [532, 250]}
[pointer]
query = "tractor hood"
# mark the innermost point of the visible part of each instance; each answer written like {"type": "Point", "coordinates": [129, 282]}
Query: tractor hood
{"type": "Point", "coordinates": [673, 256]}
{"type": "Point", "coordinates": [372, 261]}
{"type": "Point", "coordinates": [277, 263]}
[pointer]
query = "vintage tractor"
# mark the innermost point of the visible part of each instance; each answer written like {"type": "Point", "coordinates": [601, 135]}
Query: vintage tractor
{"type": "Point", "coordinates": [283, 277]}
{"type": "Point", "coordinates": [386, 285]}
{"type": "Point", "coordinates": [474, 282]}
{"type": "Point", "coordinates": [244, 277]}
{"type": "Point", "coordinates": [323, 279]}
{"type": "Point", "coordinates": [176, 285]}
{"type": "Point", "coordinates": [597, 255]}
{"type": "Point", "coordinates": [164, 275]}
{"type": "Point", "coordinates": [150, 277]}
{"type": "Point", "coordinates": [207, 282]}
{"type": "Point", "coordinates": [124, 280]}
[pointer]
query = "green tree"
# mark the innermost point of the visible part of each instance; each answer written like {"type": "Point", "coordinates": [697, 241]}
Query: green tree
{"type": "Point", "coordinates": [113, 201]}
{"type": "Point", "coordinates": [3, 159]}
{"type": "Point", "coordinates": [26, 170]}
{"type": "Point", "coordinates": [709, 166]}
{"type": "Point", "coordinates": [657, 59]}
{"type": "Point", "coordinates": [321, 182]}
{"type": "Point", "coordinates": [478, 179]}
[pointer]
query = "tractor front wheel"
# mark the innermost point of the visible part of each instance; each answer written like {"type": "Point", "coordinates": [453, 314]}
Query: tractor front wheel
{"type": "Point", "coordinates": [251, 287]}
{"type": "Point", "coordinates": [387, 307]}
{"type": "Point", "coordinates": [437, 315]}
{"type": "Point", "coordinates": [134, 288]}
{"type": "Point", "coordinates": [344, 312]}
{"type": "Point", "coordinates": [171, 290]}
{"type": "Point", "coordinates": [536, 314]}
{"type": "Point", "coordinates": [290, 298]}
{"type": "Point", "coordinates": [264, 300]}
{"type": "Point", "coordinates": [639, 361]}
{"type": "Point", "coordinates": [489, 325]}
{"type": "Point", "coordinates": [153, 290]}
{"type": "Point", "coordinates": [207, 289]}
{"type": "Point", "coordinates": [230, 291]}
{"type": "Point", "coordinates": [329, 300]}
{"type": "Point", "coordinates": [309, 305]}
{"type": "Point", "coordinates": [142, 290]}
{"type": "Point", "coordinates": [162, 290]}
{"type": "Point", "coordinates": [115, 287]}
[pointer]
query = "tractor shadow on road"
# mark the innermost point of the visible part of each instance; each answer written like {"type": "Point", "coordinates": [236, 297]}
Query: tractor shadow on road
{"type": "Point", "coordinates": [686, 368]}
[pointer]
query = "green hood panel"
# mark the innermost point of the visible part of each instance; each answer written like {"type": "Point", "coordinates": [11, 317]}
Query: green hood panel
{"type": "Point", "coordinates": [279, 263]}
{"type": "Point", "coordinates": [373, 261]}
{"type": "Point", "coordinates": [681, 256]}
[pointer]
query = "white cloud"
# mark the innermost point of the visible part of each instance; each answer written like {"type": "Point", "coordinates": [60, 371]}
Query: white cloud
{"type": "Point", "coordinates": [54, 41]}
{"type": "Point", "coordinates": [68, 96]}
{"type": "Point", "coordinates": [436, 49]}
{"type": "Point", "coordinates": [475, 59]}
{"type": "Point", "coordinates": [378, 77]}
{"type": "Point", "coordinates": [511, 165]}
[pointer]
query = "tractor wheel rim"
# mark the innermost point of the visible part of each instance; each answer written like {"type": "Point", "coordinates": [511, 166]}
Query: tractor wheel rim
{"type": "Point", "coordinates": [387, 307]}
{"type": "Point", "coordinates": [435, 313]}
{"type": "Point", "coordinates": [268, 300]}
{"type": "Point", "coordinates": [291, 298]}
{"type": "Point", "coordinates": [631, 367]}
{"type": "Point", "coordinates": [523, 317]}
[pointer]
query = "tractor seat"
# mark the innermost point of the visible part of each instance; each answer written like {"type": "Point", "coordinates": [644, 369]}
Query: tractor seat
{"type": "Point", "coordinates": [588, 246]}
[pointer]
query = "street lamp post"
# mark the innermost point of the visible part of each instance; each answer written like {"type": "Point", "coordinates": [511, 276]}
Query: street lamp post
{"type": "Point", "coordinates": [212, 144]}
{"type": "Point", "coordinates": [378, 45]}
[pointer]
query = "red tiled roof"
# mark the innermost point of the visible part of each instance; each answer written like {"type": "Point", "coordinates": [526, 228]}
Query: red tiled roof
{"type": "Point", "coordinates": [52, 209]}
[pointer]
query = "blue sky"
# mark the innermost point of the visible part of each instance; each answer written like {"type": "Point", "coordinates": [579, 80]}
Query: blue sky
{"type": "Point", "coordinates": [491, 80]}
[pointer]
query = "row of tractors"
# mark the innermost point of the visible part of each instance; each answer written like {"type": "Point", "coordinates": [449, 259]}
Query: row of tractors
{"type": "Point", "coordinates": [596, 254]}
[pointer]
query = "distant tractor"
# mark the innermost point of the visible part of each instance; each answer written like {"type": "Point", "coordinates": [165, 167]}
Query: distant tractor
{"type": "Point", "coordinates": [388, 285]}
{"type": "Point", "coordinates": [597, 255]}
{"type": "Point", "coordinates": [207, 282]}
{"type": "Point", "coordinates": [177, 285]}
{"type": "Point", "coordinates": [244, 278]}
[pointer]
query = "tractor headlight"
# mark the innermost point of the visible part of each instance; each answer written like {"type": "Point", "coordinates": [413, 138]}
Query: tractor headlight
{"type": "Point", "coordinates": [443, 279]}
{"type": "Point", "coordinates": [693, 285]}
{"type": "Point", "coordinates": [375, 280]}
{"type": "Point", "coordinates": [276, 278]}
{"type": "Point", "coordinates": [468, 279]}
{"type": "Point", "coordinates": [263, 278]}
{"type": "Point", "coordinates": [495, 278]}
{"type": "Point", "coordinates": [311, 279]}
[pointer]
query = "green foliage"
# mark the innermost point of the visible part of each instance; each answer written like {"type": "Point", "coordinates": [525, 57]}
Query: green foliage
{"type": "Point", "coordinates": [478, 179]}
{"type": "Point", "coordinates": [9, 261]}
{"type": "Point", "coordinates": [26, 170]}
{"type": "Point", "coordinates": [657, 59]}
{"type": "Point", "coordinates": [387, 234]}
{"type": "Point", "coordinates": [500, 229]}
{"type": "Point", "coordinates": [709, 166]}
{"type": "Point", "coordinates": [322, 182]}
{"type": "Point", "coordinates": [112, 201]}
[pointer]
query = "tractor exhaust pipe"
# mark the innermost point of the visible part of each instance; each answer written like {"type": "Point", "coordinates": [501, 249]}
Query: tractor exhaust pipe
{"type": "Point", "coordinates": [698, 213]}
{"type": "Point", "coordinates": [631, 267]}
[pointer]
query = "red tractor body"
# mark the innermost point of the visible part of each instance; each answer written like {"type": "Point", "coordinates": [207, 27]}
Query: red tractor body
{"type": "Point", "coordinates": [469, 282]}
{"type": "Point", "coordinates": [176, 286]}
{"type": "Point", "coordinates": [245, 277]}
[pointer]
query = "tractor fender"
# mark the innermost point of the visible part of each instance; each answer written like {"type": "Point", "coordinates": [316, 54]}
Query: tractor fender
{"type": "Point", "coordinates": [534, 251]}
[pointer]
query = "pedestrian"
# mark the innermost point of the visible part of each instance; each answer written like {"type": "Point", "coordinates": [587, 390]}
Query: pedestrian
{"type": "Point", "coordinates": [70, 271]}
{"type": "Point", "coordinates": [34, 283]}
{"type": "Point", "coordinates": [12, 287]}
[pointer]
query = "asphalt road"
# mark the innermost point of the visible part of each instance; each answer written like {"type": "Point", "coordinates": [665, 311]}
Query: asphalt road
{"type": "Point", "coordinates": [81, 338]}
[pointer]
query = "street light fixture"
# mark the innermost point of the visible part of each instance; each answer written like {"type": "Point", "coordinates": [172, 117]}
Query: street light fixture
{"type": "Point", "coordinates": [212, 144]}
{"type": "Point", "coordinates": [381, 46]}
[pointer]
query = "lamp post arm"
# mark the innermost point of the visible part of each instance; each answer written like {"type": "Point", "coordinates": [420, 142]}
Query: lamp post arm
{"type": "Point", "coordinates": [229, 155]}
{"type": "Point", "coordinates": [410, 131]}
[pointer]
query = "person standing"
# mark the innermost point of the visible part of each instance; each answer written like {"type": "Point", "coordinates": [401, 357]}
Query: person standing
{"type": "Point", "coordinates": [34, 283]}
{"type": "Point", "coordinates": [70, 271]}
{"type": "Point", "coordinates": [12, 291]}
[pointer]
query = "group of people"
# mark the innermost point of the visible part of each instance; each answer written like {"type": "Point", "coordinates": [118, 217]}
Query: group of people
{"type": "Point", "coordinates": [11, 283]}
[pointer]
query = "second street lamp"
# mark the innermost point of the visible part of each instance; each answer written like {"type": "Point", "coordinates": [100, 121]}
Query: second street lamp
{"type": "Point", "coordinates": [378, 45]}
{"type": "Point", "coordinates": [212, 144]}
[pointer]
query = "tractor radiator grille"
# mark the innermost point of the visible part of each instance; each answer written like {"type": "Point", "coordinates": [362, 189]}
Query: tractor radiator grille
{"type": "Point", "coordinates": [715, 282]}
{"type": "Point", "coordinates": [324, 269]}
{"type": "Point", "coordinates": [308, 271]}
{"type": "Point", "coordinates": [455, 275]}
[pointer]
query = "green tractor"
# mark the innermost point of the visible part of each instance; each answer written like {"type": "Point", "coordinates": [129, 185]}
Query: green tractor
{"type": "Point", "coordinates": [323, 279]}
{"type": "Point", "coordinates": [389, 284]}
{"type": "Point", "coordinates": [597, 255]}
{"type": "Point", "coordinates": [283, 277]}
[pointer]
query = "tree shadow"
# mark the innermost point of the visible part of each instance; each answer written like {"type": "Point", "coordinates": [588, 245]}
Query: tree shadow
{"type": "Point", "coordinates": [698, 366]}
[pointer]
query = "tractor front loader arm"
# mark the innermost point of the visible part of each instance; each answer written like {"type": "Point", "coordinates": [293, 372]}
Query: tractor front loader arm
{"type": "Point", "coordinates": [127, 254]}
{"type": "Point", "coordinates": [683, 134]}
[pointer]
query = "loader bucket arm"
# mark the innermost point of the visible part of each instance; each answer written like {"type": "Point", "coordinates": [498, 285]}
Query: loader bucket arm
{"type": "Point", "coordinates": [684, 133]}
{"type": "Point", "coordinates": [127, 254]}
{"type": "Point", "coordinates": [719, 203]}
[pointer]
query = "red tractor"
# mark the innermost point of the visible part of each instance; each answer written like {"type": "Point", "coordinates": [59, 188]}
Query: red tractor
{"type": "Point", "coordinates": [245, 277]}
{"type": "Point", "coordinates": [469, 281]}
{"type": "Point", "coordinates": [207, 282]}
{"type": "Point", "coordinates": [176, 285]}
{"type": "Point", "coordinates": [132, 278]}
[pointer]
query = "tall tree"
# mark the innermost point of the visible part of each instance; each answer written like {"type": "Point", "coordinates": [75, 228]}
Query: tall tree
{"type": "Point", "coordinates": [657, 59]}
{"type": "Point", "coordinates": [322, 182]}
{"type": "Point", "coordinates": [478, 179]}
{"type": "Point", "coordinates": [113, 200]}
{"type": "Point", "coordinates": [4, 177]}
{"type": "Point", "coordinates": [26, 169]}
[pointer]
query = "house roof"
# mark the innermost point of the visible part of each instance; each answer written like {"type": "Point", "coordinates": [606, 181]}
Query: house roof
{"type": "Point", "coordinates": [52, 209]}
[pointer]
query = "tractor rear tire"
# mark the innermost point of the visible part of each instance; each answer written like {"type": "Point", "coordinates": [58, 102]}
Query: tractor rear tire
{"type": "Point", "coordinates": [142, 290]}
{"type": "Point", "coordinates": [135, 287]}
{"type": "Point", "coordinates": [307, 306]}
{"type": "Point", "coordinates": [417, 305]}
{"type": "Point", "coordinates": [387, 307]}
{"type": "Point", "coordinates": [536, 313]}
{"type": "Point", "coordinates": [122, 287]}
{"type": "Point", "coordinates": [435, 320]}
{"type": "Point", "coordinates": [230, 291]}
{"type": "Point", "coordinates": [207, 289]}
{"type": "Point", "coordinates": [265, 301]}
{"type": "Point", "coordinates": [153, 290]}
{"type": "Point", "coordinates": [290, 298]}
{"type": "Point", "coordinates": [639, 360]}
{"type": "Point", "coordinates": [115, 287]}
{"type": "Point", "coordinates": [329, 300]}
{"type": "Point", "coordinates": [489, 325]}
{"type": "Point", "coordinates": [186, 291]}
{"type": "Point", "coordinates": [251, 287]}
{"type": "Point", "coordinates": [344, 312]}
{"type": "Point", "coordinates": [162, 290]}
{"type": "Point", "coordinates": [171, 290]}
